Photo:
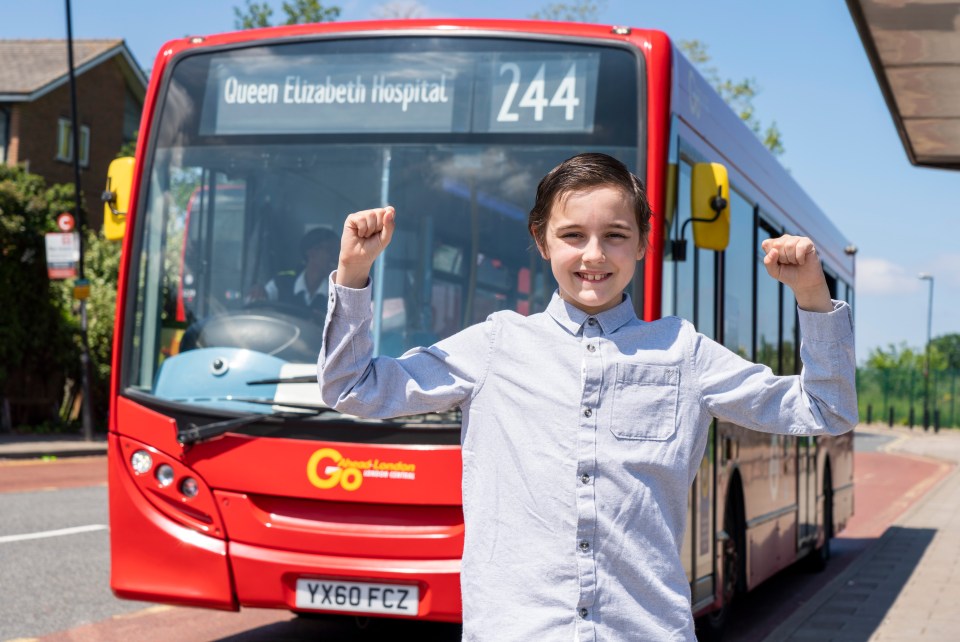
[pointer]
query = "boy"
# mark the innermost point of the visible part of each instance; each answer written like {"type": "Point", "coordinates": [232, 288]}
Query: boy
{"type": "Point", "coordinates": [583, 427]}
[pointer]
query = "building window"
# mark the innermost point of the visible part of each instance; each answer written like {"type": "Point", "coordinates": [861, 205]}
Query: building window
{"type": "Point", "coordinates": [4, 132]}
{"type": "Point", "coordinates": [131, 117]}
{"type": "Point", "coordinates": [65, 142]}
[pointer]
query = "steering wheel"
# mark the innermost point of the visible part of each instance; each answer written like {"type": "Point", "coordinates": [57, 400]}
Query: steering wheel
{"type": "Point", "coordinates": [278, 329]}
{"type": "Point", "coordinates": [286, 309]}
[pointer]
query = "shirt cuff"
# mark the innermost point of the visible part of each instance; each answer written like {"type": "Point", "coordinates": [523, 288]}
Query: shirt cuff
{"type": "Point", "coordinates": [836, 325]}
{"type": "Point", "coordinates": [349, 302]}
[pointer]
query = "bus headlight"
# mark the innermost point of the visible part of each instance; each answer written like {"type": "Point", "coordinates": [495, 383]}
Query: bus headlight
{"type": "Point", "coordinates": [165, 474]}
{"type": "Point", "coordinates": [141, 461]}
{"type": "Point", "coordinates": [189, 487]}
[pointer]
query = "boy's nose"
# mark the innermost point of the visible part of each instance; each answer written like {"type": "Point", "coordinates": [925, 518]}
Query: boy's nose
{"type": "Point", "coordinates": [593, 251]}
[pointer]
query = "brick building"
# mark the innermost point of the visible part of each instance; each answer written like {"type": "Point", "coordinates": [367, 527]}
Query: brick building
{"type": "Point", "coordinates": [35, 114]}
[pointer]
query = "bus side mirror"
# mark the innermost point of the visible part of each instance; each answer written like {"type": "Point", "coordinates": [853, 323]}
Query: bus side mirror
{"type": "Point", "coordinates": [710, 206]}
{"type": "Point", "coordinates": [116, 197]}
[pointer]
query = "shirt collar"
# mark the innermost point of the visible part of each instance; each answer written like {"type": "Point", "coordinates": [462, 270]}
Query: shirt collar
{"type": "Point", "coordinates": [572, 318]}
{"type": "Point", "coordinates": [300, 287]}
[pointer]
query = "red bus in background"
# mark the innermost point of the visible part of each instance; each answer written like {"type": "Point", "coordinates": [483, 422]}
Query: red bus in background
{"type": "Point", "coordinates": [231, 485]}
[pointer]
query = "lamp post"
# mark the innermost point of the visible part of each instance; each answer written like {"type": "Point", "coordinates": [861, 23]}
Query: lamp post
{"type": "Point", "coordinates": [87, 408]}
{"type": "Point", "coordinates": [923, 276]}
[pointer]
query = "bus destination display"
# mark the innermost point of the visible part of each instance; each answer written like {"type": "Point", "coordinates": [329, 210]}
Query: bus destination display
{"type": "Point", "coordinates": [427, 92]}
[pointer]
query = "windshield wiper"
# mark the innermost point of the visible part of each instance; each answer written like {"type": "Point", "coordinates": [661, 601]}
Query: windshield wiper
{"type": "Point", "coordinates": [194, 433]}
{"type": "Point", "coordinates": [299, 379]}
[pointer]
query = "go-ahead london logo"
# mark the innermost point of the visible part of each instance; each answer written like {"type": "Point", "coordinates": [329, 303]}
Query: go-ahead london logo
{"type": "Point", "coordinates": [328, 468]}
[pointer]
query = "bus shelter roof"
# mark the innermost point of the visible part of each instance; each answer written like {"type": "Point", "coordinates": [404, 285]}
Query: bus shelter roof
{"type": "Point", "coordinates": [914, 48]}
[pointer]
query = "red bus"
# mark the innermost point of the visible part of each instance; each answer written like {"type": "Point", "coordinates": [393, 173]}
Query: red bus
{"type": "Point", "coordinates": [231, 485]}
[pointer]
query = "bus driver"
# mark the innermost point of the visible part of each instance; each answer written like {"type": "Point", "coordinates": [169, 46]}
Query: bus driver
{"type": "Point", "coordinates": [319, 249]}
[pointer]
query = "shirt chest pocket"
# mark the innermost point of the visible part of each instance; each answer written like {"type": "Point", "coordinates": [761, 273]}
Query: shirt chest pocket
{"type": "Point", "coordinates": [645, 402]}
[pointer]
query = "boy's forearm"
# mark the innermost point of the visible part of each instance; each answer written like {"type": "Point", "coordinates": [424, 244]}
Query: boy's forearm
{"type": "Point", "coordinates": [816, 299]}
{"type": "Point", "coordinates": [354, 277]}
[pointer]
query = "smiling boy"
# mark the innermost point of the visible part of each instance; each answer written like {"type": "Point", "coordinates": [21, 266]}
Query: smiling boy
{"type": "Point", "coordinates": [583, 426]}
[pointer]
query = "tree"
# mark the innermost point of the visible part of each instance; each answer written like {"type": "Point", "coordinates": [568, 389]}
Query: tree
{"type": "Point", "coordinates": [38, 347]}
{"type": "Point", "coordinates": [258, 14]}
{"type": "Point", "coordinates": [739, 95]}
{"type": "Point", "coordinates": [400, 10]}
{"type": "Point", "coordinates": [577, 11]}
{"type": "Point", "coordinates": [101, 266]}
{"type": "Point", "coordinates": [948, 347]}
{"type": "Point", "coordinates": [129, 148]}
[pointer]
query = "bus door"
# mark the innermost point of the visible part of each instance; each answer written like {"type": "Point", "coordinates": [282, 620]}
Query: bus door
{"type": "Point", "coordinates": [692, 290]}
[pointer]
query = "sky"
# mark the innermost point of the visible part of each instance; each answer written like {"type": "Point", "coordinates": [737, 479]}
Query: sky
{"type": "Point", "coordinates": [816, 84]}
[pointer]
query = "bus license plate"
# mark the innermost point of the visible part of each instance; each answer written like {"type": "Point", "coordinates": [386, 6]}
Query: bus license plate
{"type": "Point", "coordinates": [358, 597]}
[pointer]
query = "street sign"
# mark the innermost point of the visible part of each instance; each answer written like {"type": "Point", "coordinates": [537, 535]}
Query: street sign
{"type": "Point", "coordinates": [65, 222]}
{"type": "Point", "coordinates": [63, 254]}
{"type": "Point", "coordinates": [81, 289]}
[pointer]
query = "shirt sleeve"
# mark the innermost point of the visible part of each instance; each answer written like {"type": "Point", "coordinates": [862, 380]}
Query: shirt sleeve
{"type": "Point", "coordinates": [822, 399]}
{"type": "Point", "coordinates": [433, 379]}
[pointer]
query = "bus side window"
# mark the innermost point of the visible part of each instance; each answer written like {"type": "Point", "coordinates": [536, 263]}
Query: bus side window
{"type": "Point", "coordinates": [738, 279]}
{"type": "Point", "coordinates": [768, 305]}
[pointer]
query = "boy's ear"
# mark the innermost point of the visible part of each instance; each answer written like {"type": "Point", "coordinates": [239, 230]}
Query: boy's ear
{"type": "Point", "coordinates": [641, 252]}
{"type": "Point", "coordinates": [540, 247]}
{"type": "Point", "coordinates": [542, 250]}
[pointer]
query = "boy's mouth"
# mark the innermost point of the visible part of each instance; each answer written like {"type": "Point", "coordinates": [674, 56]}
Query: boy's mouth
{"type": "Point", "coordinates": [593, 278]}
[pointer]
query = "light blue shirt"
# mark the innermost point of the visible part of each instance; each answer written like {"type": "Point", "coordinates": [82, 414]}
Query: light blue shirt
{"type": "Point", "coordinates": [581, 436]}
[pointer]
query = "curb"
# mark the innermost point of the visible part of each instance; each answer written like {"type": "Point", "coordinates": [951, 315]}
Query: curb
{"type": "Point", "coordinates": [39, 454]}
{"type": "Point", "coordinates": [36, 447]}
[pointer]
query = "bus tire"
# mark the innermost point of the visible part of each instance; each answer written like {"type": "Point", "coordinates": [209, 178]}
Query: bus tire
{"type": "Point", "coordinates": [820, 556]}
{"type": "Point", "coordinates": [710, 627]}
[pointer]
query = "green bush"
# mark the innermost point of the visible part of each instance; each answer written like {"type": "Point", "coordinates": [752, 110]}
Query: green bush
{"type": "Point", "coordinates": [101, 267]}
{"type": "Point", "coordinates": [39, 326]}
{"type": "Point", "coordinates": [37, 347]}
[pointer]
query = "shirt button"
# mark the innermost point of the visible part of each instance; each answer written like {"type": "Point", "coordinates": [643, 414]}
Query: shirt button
{"type": "Point", "coordinates": [584, 545]}
{"type": "Point", "coordinates": [587, 412]}
{"type": "Point", "coordinates": [591, 348]}
{"type": "Point", "coordinates": [583, 612]}
{"type": "Point", "coordinates": [585, 478]}
{"type": "Point", "coordinates": [592, 321]}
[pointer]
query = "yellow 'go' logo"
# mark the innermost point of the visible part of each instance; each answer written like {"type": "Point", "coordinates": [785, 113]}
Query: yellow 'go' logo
{"type": "Point", "coordinates": [349, 478]}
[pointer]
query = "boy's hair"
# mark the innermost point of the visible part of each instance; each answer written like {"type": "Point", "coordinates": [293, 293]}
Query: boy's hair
{"type": "Point", "coordinates": [582, 172]}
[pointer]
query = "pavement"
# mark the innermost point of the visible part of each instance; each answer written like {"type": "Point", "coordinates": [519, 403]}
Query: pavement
{"type": "Point", "coordinates": [903, 586]}
{"type": "Point", "coordinates": [17, 446]}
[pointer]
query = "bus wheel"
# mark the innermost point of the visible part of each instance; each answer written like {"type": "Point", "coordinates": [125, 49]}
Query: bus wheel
{"type": "Point", "coordinates": [820, 556]}
{"type": "Point", "coordinates": [711, 626]}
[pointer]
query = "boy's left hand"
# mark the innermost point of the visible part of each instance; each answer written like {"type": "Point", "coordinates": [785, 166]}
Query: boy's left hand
{"type": "Point", "coordinates": [793, 261]}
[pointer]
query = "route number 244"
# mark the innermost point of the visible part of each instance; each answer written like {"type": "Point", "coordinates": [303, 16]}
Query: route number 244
{"type": "Point", "coordinates": [535, 96]}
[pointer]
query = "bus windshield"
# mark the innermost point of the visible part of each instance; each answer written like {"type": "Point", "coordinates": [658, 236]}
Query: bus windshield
{"type": "Point", "coordinates": [258, 153]}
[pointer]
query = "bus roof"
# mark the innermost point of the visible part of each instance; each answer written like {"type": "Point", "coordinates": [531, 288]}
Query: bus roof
{"type": "Point", "coordinates": [702, 109]}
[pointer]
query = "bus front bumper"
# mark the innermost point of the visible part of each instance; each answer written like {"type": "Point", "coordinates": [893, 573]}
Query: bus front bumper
{"type": "Point", "coordinates": [267, 578]}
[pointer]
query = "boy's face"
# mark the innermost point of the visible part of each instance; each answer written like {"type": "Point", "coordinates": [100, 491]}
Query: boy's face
{"type": "Point", "coordinates": [593, 244]}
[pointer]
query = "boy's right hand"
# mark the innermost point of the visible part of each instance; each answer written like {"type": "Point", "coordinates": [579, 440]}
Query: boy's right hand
{"type": "Point", "coordinates": [365, 235]}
